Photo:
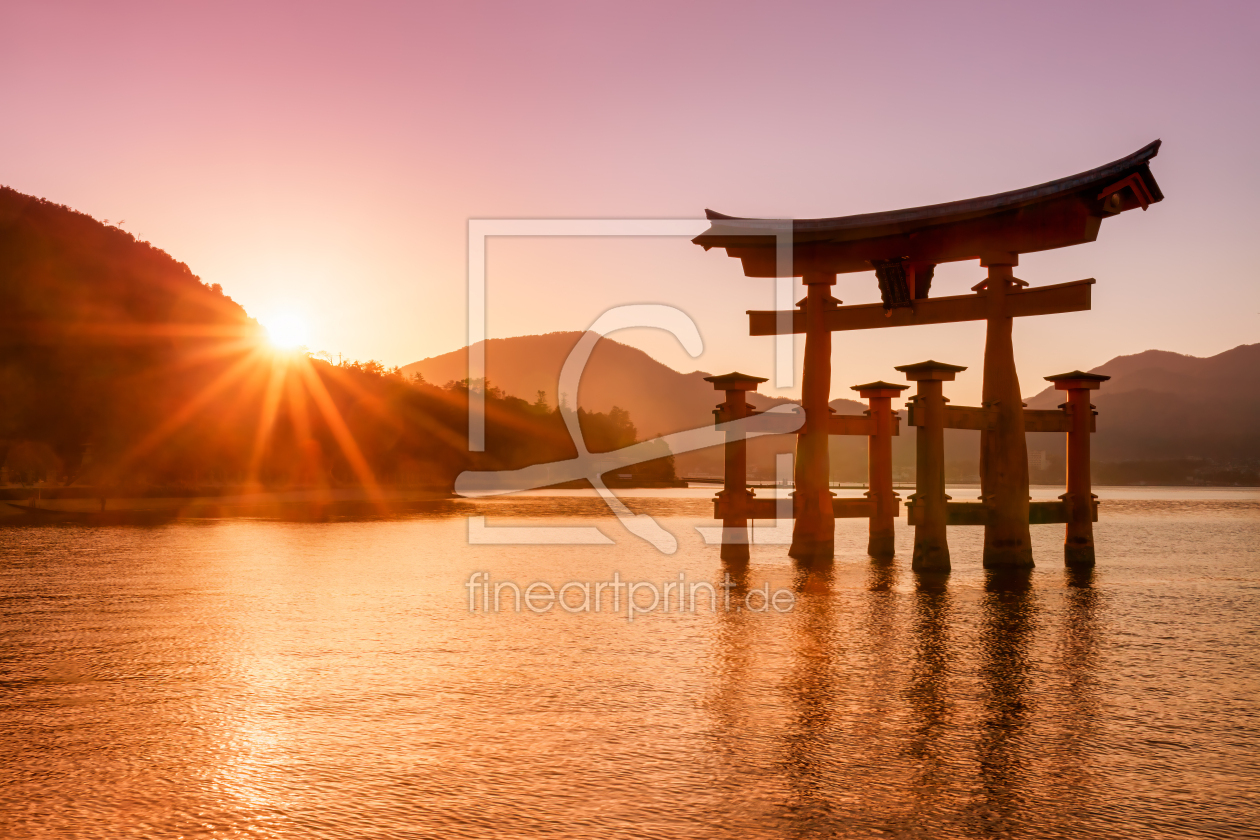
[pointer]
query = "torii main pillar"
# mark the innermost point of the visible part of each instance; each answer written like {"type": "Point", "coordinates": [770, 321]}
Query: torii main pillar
{"type": "Point", "coordinates": [1003, 447]}
{"type": "Point", "coordinates": [814, 526]}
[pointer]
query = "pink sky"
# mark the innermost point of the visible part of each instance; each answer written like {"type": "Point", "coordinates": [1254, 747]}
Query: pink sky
{"type": "Point", "coordinates": [323, 159]}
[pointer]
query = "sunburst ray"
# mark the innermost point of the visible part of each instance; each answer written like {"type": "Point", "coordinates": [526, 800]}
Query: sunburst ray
{"type": "Point", "coordinates": [341, 432]}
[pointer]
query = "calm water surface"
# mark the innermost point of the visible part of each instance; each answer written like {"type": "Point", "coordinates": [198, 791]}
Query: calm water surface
{"type": "Point", "coordinates": [251, 678]}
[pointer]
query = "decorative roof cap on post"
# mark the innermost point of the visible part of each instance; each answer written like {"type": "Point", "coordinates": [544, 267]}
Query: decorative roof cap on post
{"type": "Point", "coordinates": [930, 370]}
{"type": "Point", "coordinates": [1077, 380]}
{"type": "Point", "coordinates": [735, 381]}
{"type": "Point", "coordinates": [878, 389]}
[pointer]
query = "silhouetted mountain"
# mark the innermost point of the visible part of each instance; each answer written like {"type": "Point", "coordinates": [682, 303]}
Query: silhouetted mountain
{"type": "Point", "coordinates": [120, 368]}
{"type": "Point", "coordinates": [94, 326]}
{"type": "Point", "coordinates": [1185, 418]}
{"type": "Point", "coordinates": [660, 399]}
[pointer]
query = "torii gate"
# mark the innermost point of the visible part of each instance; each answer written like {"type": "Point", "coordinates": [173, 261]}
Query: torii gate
{"type": "Point", "coordinates": [904, 247]}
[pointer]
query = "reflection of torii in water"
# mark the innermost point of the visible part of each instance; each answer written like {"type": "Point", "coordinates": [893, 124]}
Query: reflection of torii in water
{"type": "Point", "coordinates": [903, 248]}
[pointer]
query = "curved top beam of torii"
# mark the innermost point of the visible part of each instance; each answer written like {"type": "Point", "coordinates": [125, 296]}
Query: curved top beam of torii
{"type": "Point", "coordinates": [995, 228]}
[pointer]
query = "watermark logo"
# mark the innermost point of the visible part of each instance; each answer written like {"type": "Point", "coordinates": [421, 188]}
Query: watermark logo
{"type": "Point", "coordinates": [591, 466]}
{"type": "Point", "coordinates": [606, 596]}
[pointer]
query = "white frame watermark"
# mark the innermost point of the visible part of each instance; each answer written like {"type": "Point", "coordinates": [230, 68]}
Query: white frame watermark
{"type": "Point", "coordinates": [591, 466]}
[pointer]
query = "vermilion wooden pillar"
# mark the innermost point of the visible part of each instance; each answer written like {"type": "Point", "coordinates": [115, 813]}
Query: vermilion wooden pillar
{"type": "Point", "coordinates": [1003, 447]}
{"type": "Point", "coordinates": [736, 497]}
{"type": "Point", "coordinates": [1078, 545]}
{"type": "Point", "coordinates": [814, 528]}
{"type": "Point", "coordinates": [931, 547]}
{"type": "Point", "coordinates": [879, 466]}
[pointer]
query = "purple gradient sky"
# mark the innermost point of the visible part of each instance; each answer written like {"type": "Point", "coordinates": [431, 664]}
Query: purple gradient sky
{"type": "Point", "coordinates": [323, 158]}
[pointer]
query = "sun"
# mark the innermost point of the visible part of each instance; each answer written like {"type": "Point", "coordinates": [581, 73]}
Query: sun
{"type": "Point", "coordinates": [286, 330]}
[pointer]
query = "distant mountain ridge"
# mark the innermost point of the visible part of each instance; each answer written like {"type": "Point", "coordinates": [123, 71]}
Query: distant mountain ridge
{"type": "Point", "coordinates": [1232, 375]}
{"type": "Point", "coordinates": [1193, 416]}
{"type": "Point", "coordinates": [660, 399]}
{"type": "Point", "coordinates": [617, 374]}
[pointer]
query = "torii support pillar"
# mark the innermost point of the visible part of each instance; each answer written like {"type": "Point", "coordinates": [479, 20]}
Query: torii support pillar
{"type": "Point", "coordinates": [814, 528]}
{"type": "Point", "coordinates": [737, 497]}
{"type": "Point", "coordinates": [1003, 447]}
{"type": "Point", "coordinates": [879, 396]}
{"type": "Point", "coordinates": [931, 547]}
{"type": "Point", "coordinates": [1078, 545]}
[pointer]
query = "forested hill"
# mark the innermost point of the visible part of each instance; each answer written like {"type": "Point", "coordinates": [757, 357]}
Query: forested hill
{"type": "Point", "coordinates": [91, 322]}
{"type": "Point", "coordinates": [119, 367]}
{"type": "Point", "coordinates": [63, 271]}
{"type": "Point", "coordinates": [1169, 418]}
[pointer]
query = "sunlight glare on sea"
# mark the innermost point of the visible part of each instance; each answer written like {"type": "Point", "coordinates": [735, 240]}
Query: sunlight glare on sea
{"type": "Point", "coordinates": [272, 679]}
